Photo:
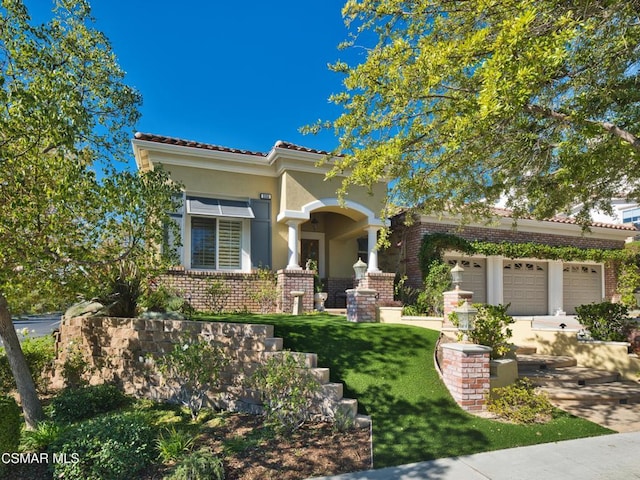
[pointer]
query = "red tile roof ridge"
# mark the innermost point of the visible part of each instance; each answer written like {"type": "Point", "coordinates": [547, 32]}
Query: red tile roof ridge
{"type": "Point", "coordinates": [503, 212]}
{"type": "Point", "coordinates": [190, 143]}
{"type": "Point", "coordinates": [293, 146]}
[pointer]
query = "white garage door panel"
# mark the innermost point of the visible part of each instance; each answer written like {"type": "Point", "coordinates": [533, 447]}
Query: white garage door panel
{"type": "Point", "coordinates": [474, 277]}
{"type": "Point", "coordinates": [582, 284]}
{"type": "Point", "coordinates": [525, 287]}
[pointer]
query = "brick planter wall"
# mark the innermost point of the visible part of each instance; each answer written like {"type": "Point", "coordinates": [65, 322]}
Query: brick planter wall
{"type": "Point", "coordinates": [466, 373]}
{"type": "Point", "coordinates": [362, 305]}
{"type": "Point", "coordinates": [118, 349]}
{"type": "Point", "coordinates": [381, 283]}
{"type": "Point", "coordinates": [295, 280]}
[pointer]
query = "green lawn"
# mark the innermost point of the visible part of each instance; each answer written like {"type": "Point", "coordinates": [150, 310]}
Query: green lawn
{"type": "Point", "coordinates": [390, 370]}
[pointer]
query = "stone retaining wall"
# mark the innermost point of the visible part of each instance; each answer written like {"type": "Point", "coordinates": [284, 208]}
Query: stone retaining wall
{"type": "Point", "coordinates": [118, 350]}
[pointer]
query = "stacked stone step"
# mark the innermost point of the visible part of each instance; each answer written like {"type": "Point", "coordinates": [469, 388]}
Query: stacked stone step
{"type": "Point", "coordinates": [119, 350]}
{"type": "Point", "coordinates": [567, 384]}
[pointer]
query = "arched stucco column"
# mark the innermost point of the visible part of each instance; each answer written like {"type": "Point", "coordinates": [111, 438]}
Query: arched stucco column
{"type": "Point", "coordinates": [294, 226]}
{"type": "Point", "coordinates": [373, 249]}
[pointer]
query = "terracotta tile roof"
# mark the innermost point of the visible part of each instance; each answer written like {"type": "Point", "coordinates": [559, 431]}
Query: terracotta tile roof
{"type": "Point", "coordinates": [503, 212]}
{"type": "Point", "coordinates": [206, 146]}
{"type": "Point", "coordinates": [189, 143]}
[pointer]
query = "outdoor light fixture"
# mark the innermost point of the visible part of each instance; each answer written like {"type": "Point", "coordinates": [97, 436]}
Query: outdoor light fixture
{"type": "Point", "coordinates": [456, 275]}
{"type": "Point", "coordinates": [466, 316]}
{"type": "Point", "coordinates": [360, 268]}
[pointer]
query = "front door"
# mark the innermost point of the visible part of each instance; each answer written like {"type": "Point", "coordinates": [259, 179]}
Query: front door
{"type": "Point", "coordinates": [309, 250]}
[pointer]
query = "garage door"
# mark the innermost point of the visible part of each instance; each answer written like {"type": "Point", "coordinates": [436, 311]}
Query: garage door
{"type": "Point", "coordinates": [582, 284]}
{"type": "Point", "coordinates": [474, 277]}
{"type": "Point", "coordinates": [525, 287]}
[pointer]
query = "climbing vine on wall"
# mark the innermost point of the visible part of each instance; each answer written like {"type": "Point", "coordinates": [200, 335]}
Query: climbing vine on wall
{"type": "Point", "coordinates": [435, 244]}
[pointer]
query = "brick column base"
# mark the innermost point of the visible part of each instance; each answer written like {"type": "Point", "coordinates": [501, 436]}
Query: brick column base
{"type": "Point", "coordinates": [382, 283]}
{"type": "Point", "coordinates": [466, 373]}
{"type": "Point", "coordinates": [362, 305]}
{"type": "Point", "coordinates": [452, 300]}
{"type": "Point", "coordinates": [295, 281]}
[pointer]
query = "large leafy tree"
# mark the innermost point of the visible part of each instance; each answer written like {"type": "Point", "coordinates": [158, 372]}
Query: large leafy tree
{"type": "Point", "coordinates": [66, 213]}
{"type": "Point", "coordinates": [464, 102]}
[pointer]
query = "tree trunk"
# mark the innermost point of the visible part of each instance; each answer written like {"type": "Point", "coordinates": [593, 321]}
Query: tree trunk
{"type": "Point", "coordinates": [31, 406]}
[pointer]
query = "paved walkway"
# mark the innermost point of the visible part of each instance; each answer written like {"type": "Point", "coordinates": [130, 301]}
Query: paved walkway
{"type": "Point", "coordinates": [609, 457]}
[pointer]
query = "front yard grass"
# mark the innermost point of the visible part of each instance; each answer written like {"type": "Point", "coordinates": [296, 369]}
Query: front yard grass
{"type": "Point", "coordinates": [390, 370]}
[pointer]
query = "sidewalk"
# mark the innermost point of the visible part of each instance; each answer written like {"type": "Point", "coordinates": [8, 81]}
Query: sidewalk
{"type": "Point", "coordinates": [597, 458]}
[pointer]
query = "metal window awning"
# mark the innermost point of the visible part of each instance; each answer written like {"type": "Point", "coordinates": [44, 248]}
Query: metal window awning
{"type": "Point", "coordinates": [216, 207]}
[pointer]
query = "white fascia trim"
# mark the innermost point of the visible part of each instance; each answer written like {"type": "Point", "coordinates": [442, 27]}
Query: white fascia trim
{"type": "Point", "coordinates": [538, 226]}
{"type": "Point", "coordinates": [305, 211]}
{"type": "Point", "coordinates": [206, 159]}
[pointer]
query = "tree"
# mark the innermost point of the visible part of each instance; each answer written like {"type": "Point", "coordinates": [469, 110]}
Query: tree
{"type": "Point", "coordinates": [66, 212]}
{"type": "Point", "coordinates": [463, 103]}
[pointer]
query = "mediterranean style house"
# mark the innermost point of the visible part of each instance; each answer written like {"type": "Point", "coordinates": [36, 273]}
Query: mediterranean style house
{"type": "Point", "coordinates": [244, 210]}
{"type": "Point", "coordinates": [532, 286]}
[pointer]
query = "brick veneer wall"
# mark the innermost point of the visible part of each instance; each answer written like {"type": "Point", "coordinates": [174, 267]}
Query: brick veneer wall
{"type": "Point", "coordinates": [117, 351]}
{"type": "Point", "coordinates": [193, 285]}
{"type": "Point", "coordinates": [411, 239]}
{"type": "Point", "coordinates": [382, 283]}
{"type": "Point", "coordinates": [295, 280]}
{"type": "Point", "coordinates": [336, 288]}
{"type": "Point", "coordinates": [466, 373]}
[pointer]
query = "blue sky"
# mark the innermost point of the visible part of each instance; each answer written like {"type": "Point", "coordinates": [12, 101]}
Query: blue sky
{"type": "Point", "coordinates": [238, 74]}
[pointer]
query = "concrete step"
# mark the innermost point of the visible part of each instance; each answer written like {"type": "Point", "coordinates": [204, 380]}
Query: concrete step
{"type": "Point", "coordinates": [611, 393]}
{"type": "Point", "coordinates": [525, 350]}
{"type": "Point", "coordinates": [528, 362]}
{"type": "Point", "coordinates": [620, 418]}
{"type": "Point", "coordinates": [348, 406]}
{"type": "Point", "coordinates": [333, 390]}
{"type": "Point", "coordinates": [321, 374]}
{"type": "Point", "coordinates": [273, 344]}
{"type": "Point", "coordinates": [569, 376]}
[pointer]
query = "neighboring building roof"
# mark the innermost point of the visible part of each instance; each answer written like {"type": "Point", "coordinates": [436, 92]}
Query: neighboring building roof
{"type": "Point", "coordinates": [206, 146]}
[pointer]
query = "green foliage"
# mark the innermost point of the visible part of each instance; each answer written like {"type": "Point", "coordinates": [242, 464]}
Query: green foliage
{"type": "Point", "coordinates": [39, 354]}
{"type": "Point", "coordinates": [111, 447]}
{"type": "Point", "coordinates": [287, 388]}
{"type": "Point", "coordinates": [75, 404]}
{"type": "Point", "coordinates": [403, 292]}
{"type": "Point", "coordinates": [436, 282]}
{"type": "Point", "coordinates": [191, 369]}
{"type": "Point", "coordinates": [199, 465]}
{"type": "Point", "coordinates": [520, 403]}
{"type": "Point", "coordinates": [628, 283]}
{"type": "Point", "coordinates": [75, 367]}
{"type": "Point", "coordinates": [217, 293]}
{"type": "Point", "coordinates": [532, 101]}
{"type": "Point", "coordinates": [491, 329]}
{"type": "Point", "coordinates": [433, 246]}
{"type": "Point", "coordinates": [606, 321]}
{"type": "Point", "coordinates": [265, 291]}
{"type": "Point", "coordinates": [159, 298]}
{"type": "Point", "coordinates": [548, 252]}
{"type": "Point", "coordinates": [174, 444]}
{"type": "Point", "coordinates": [44, 435]}
{"type": "Point", "coordinates": [9, 424]}
{"type": "Point", "coordinates": [123, 288]}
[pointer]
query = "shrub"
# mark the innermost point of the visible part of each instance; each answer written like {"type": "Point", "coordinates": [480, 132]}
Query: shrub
{"type": "Point", "coordinates": [190, 369]}
{"type": "Point", "coordinates": [265, 291]}
{"type": "Point", "coordinates": [520, 403]}
{"type": "Point", "coordinates": [122, 289]}
{"type": "Point", "coordinates": [217, 293]}
{"type": "Point", "coordinates": [491, 329]}
{"type": "Point", "coordinates": [287, 388]}
{"type": "Point", "coordinates": [75, 367]}
{"type": "Point", "coordinates": [628, 282]}
{"type": "Point", "coordinates": [606, 321]}
{"type": "Point", "coordinates": [44, 435]}
{"type": "Point", "coordinates": [39, 354]}
{"type": "Point", "coordinates": [174, 444]}
{"type": "Point", "coordinates": [77, 404]}
{"type": "Point", "coordinates": [9, 424]}
{"type": "Point", "coordinates": [111, 447]}
{"type": "Point", "coordinates": [436, 282]}
{"type": "Point", "coordinates": [199, 465]}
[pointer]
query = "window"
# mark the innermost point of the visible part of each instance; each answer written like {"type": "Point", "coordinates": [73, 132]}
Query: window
{"type": "Point", "coordinates": [216, 243]}
{"type": "Point", "coordinates": [631, 216]}
{"type": "Point", "coordinates": [363, 248]}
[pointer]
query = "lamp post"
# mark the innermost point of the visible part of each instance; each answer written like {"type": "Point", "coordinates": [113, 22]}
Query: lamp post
{"type": "Point", "coordinates": [359, 268]}
{"type": "Point", "coordinates": [456, 276]}
{"type": "Point", "coordinates": [466, 315]}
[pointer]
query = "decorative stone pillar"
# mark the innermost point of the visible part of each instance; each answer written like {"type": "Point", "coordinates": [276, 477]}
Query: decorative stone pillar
{"type": "Point", "coordinates": [290, 281]}
{"type": "Point", "coordinates": [293, 245]}
{"type": "Point", "coordinates": [373, 249]}
{"type": "Point", "coordinates": [466, 372]}
{"type": "Point", "coordinates": [362, 305]}
{"type": "Point", "coordinates": [452, 300]}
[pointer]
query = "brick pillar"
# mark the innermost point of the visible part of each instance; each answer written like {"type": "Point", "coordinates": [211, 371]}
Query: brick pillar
{"type": "Point", "coordinates": [466, 373]}
{"type": "Point", "coordinates": [452, 300]}
{"type": "Point", "coordinates": [382, 283]}
{"type": "Point", "coordinates": [295, 281]}
{"type": "Point", "coordinates": [362, 305]}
